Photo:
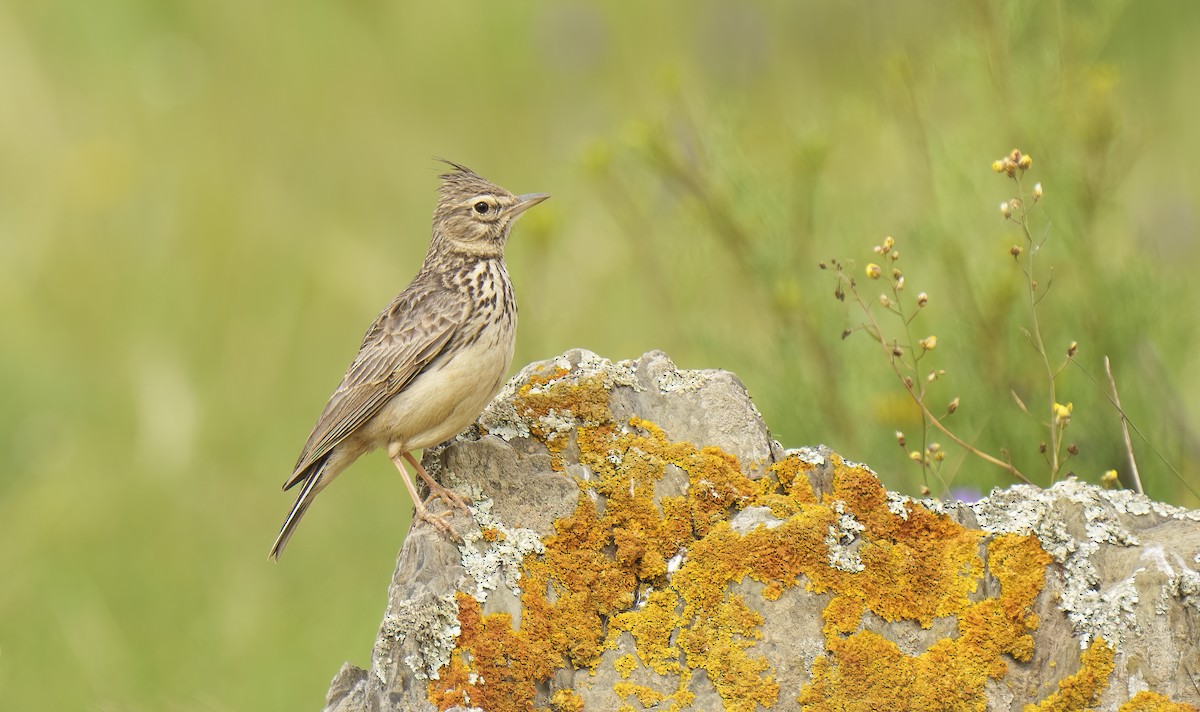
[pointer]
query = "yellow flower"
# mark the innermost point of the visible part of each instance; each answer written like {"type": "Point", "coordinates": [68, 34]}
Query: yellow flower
{"type": "Point", "coordinates": [874, 270]}
{"type": "Point", "coordinates": [1110, 479]}
{"type": "Point", "coordinates": [1062, 413]}
{"type": "Point", "coordinates": [929, 343]}
{"type": "Point", "coordinates": [998, 166]}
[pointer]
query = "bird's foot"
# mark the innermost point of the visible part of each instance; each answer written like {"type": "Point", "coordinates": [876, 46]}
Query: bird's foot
{"type": "Point", "coordinates": [449, 496]}
{"type": "Point", "coordinates": [441, 522]}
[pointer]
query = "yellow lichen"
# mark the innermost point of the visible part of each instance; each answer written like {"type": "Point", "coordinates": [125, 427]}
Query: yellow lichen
{"type": "Point", "coordinates": [579, 594]}
{"type": "Point", "coordinates": [566, 701]}
{"type": "Point", "coordinates": [1146, 701]}
{"type": "Point", "coordinates": [842, 615]}
{"type": "Point", "coordinates": [1081, 690]}
{"type": "Point", "coordinates": [625, 665]}
{"type": "Point", "coordinates": [645, 695]}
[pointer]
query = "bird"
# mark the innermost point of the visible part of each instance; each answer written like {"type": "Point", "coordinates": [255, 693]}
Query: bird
{"type": "Point", "coordinates": [432, 359]}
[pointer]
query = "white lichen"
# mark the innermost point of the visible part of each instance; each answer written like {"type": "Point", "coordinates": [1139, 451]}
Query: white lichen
{"type": "Point", "coordinates": [492, 563]}
{"type": "Point", "coordinates": [428, 627]}
{"type": "Point", "coordinates": [840, 540]}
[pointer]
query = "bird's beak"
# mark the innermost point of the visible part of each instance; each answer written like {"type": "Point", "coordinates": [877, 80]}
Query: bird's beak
{"type": "Point", "coordinates": [527, 201]}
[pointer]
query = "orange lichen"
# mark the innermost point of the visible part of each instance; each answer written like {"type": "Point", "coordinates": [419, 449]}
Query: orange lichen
{"type": "Point", "coordinates": [489, 650]}
{"type": "Point", "coordinates": [1081, 690]}
{"type": "Point", "coordinates": [652, 626]}
{"type": "Point", "coordinates": [679, 559]}
{"type": "Point", "coordinates": [1146, 701]}
{"type": "Point", "coordinates": [842, 616]}
{"type": "Point", "coordinates": [546, 398]}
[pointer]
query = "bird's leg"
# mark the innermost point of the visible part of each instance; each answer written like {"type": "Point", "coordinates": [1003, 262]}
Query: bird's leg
{"type": "Point", "coordinates": [423, 513]}
{"type": "Point", "coordinates": [449, 496]}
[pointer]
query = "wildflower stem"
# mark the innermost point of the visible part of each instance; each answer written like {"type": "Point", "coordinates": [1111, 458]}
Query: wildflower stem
{"type": "Point", "coordinates": [1133, 468]}
{"type": "Point", "coordinates": [1036, 335]}
{"type": "Point", "coordinates": [929, 416]}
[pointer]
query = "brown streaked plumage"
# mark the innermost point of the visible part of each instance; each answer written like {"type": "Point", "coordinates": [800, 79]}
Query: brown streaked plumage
{"type": "Point", "coordinates": [433, 358]}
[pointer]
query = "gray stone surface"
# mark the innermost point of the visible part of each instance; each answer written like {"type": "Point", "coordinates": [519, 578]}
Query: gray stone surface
{"type": "Point", "coordinates": [1125, 568]}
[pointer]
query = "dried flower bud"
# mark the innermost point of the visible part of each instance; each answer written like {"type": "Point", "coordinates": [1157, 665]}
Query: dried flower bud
{"type": "Point", "coordinates": [908, 382]}
{"type": "Point", "coordinates": [922, 299]}
{"type": "Point", "coordinates": [900, 438]}
{"type": "Point", "coordinates": [916, 456]}
{"type": "Point", "coordinates": [1025, 162]}
{"type": "Point", "coordinates": [1015, 155]}
{"type": "Point", "coordinates": [1042, 448]}
{"type": "Point", "coordinates": [888, 243]}
{"type": "Point", "coordinates": [939, 455]}
{"type": "Point", "coordinates": [934, 447]}
{"type": "Point", "coordinates": [896, 273]}
{"type": "Point", "coordinates": [932, 376]}
{"type": "Point", "coordinates": [1005, 210]}
{"type": "Point", "coordinates": [884, 301]}
{"type": "Point", "coordinates": [998, 166]}
{"type": "Point", "coordinates": [897, 350]}
{"type": "Point", "coordinates": [1037, 192]}
{"type": "Point", "coordinates": [900, 284]}
{"type": "Point", "coordinates": [1073, 449]}
{"type": "Point", "coordinates": [877, 250]}
{"type": "Point", "coordinates": [1010, 167]}
{"type": "Point", "coordinates": [895, 255]}
{"type": "Point", "coordinates": [1015, 251]}
{"type": "Point", "coordinates": [1073, 349]}
{"type": "Point", "coordinates": [874, 271]}
{"type": "Point", "coordinates": [925, 491]}
{"type": "Point", "coordinates": [821, 265]}
{"type": "Point", "coordinates": [846, 334]}
{"type": "Point", "coordinates": [953, 405]}
{"type": "Point", "coordinates": [929, 343]}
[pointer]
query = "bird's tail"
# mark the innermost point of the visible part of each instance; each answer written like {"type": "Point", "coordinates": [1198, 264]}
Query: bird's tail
{"type": "Point", "coordinates": [312, 485]}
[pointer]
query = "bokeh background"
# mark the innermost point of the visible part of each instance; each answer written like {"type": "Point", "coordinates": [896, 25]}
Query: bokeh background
{"type": "Point", "coordinates": [203, 203]}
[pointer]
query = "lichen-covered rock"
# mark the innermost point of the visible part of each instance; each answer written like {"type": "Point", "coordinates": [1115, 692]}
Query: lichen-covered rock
{"type": "Point", "coordinates": [639, 541]}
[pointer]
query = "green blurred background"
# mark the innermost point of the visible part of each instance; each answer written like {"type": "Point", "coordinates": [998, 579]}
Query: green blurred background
{"type": "Point", "coordinates": [203, 203]}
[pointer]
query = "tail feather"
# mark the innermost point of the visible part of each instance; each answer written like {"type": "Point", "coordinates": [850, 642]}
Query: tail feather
{"type": "Point", "coordinates": [312, 485]}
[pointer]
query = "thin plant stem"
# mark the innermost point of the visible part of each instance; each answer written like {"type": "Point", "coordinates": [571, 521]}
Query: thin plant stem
{"type": "Point", "coordinates": [1133, 468]}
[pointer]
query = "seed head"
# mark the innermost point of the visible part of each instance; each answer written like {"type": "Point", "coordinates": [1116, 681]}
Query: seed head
{"type": "Point", "coordinates": [1073, 449]}
{"type": "Point", "coordinates": [1006, 210]}
{"type": "Point", "coordinates": [1037, 192]}
{"type": "Point", "coordinates": [953, 405]}
{"type": "Point", "coordinates": [922, 299]}
{"type": "Point", "coordinates": [900, 438]}
{"type": "Point", "coordinates": [1015, 250]}
{"type": "Point", "coordinates": [1072, 349]}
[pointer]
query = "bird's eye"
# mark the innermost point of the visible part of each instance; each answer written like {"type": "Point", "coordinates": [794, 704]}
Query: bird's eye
{"type": "Point", "coordinates": [481, 207]}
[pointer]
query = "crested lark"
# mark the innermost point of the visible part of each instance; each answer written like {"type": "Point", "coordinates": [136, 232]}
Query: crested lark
{"type": "Point", "coordinates": [433, 358]}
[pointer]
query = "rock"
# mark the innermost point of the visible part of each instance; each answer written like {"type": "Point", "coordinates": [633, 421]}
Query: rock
{"type": "Point", "coordinates": [638, 541]}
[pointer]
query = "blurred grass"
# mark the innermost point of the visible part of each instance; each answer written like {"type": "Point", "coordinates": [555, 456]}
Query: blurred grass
{"type": "Point", "coordinates": [202, 205]}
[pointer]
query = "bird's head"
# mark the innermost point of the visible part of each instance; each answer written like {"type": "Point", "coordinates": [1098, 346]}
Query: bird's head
{"type": "Point", "coordinates": [473, 215]}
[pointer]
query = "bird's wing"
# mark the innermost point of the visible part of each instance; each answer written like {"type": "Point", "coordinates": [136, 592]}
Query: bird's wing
{"type": "Point", "coordinates": [405, 338]}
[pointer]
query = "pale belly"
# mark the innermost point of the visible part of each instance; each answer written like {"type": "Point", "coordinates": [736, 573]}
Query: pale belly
{"type": "Point", "coordinates": [446, 398]}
